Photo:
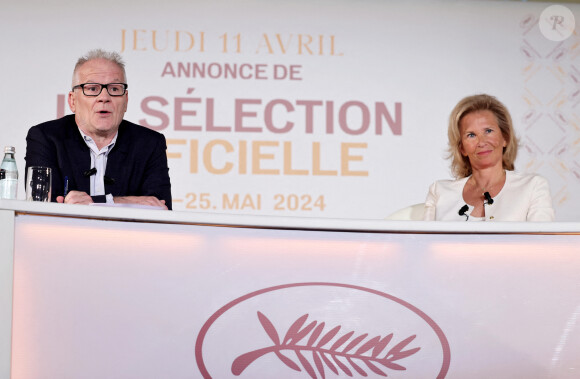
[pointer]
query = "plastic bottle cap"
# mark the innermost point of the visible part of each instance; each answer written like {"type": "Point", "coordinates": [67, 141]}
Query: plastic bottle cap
{"type": "Point", "coordinates": [9, 149]}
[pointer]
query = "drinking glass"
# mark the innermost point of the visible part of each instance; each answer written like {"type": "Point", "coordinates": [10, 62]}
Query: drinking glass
{"type": "Point", "coordinates": [38, 183]}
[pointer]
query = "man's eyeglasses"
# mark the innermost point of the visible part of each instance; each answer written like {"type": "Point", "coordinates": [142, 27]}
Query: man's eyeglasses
{"type": "Point", "coordinates": [95, 89]}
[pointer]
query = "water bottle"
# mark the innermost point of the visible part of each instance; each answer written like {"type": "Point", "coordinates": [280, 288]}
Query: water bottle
{"type": "Point", "coordinates": [9, 183]}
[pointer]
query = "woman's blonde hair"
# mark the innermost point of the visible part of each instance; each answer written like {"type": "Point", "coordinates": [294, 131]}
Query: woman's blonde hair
{"type": "Point", "coordinates": [460, 165]}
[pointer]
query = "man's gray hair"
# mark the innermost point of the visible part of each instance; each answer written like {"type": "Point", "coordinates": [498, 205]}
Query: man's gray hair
{"type": "Point", "coordinates": [111, 56]}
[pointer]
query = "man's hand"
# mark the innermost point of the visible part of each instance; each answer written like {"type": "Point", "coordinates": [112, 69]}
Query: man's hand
{"type": "Point", "coordinates": [75, 197]}
{"type": "Point", "coordinates": [142, 200]}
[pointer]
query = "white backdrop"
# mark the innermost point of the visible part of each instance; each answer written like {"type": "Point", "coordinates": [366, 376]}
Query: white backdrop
{"type": "Point", "coordinates": [299, 122]}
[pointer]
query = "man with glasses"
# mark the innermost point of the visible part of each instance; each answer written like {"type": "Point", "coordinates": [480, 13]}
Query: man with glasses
{"type": "Point", "coordinates": [95, 155]}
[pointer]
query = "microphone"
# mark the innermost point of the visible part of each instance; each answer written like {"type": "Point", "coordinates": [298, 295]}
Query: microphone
{"type": "Point", "coordinates": [462, 211]}
{"type": "Point", "coordinates": [90, 172]}
{"type": "Point", "coordinates": [488, 198]}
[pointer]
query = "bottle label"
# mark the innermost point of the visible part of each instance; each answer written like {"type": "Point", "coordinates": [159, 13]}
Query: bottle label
{"type": "Point", "coordinates": [8, 188]}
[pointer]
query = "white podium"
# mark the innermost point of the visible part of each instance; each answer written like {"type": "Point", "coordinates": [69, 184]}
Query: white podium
{"type": "Point", "coordinates": [107, 292]}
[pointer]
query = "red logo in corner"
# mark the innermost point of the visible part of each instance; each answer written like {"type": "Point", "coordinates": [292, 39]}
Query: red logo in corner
{"type": "Point", "coordinates": [346, 330]}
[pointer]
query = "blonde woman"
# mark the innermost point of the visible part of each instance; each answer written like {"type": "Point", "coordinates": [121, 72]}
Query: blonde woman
{"type": "Point", "coordinates": [482, 149]}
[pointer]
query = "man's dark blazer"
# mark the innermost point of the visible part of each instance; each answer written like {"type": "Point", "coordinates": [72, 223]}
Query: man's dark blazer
{"type": "Point", "coordinates": [136, 165]}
